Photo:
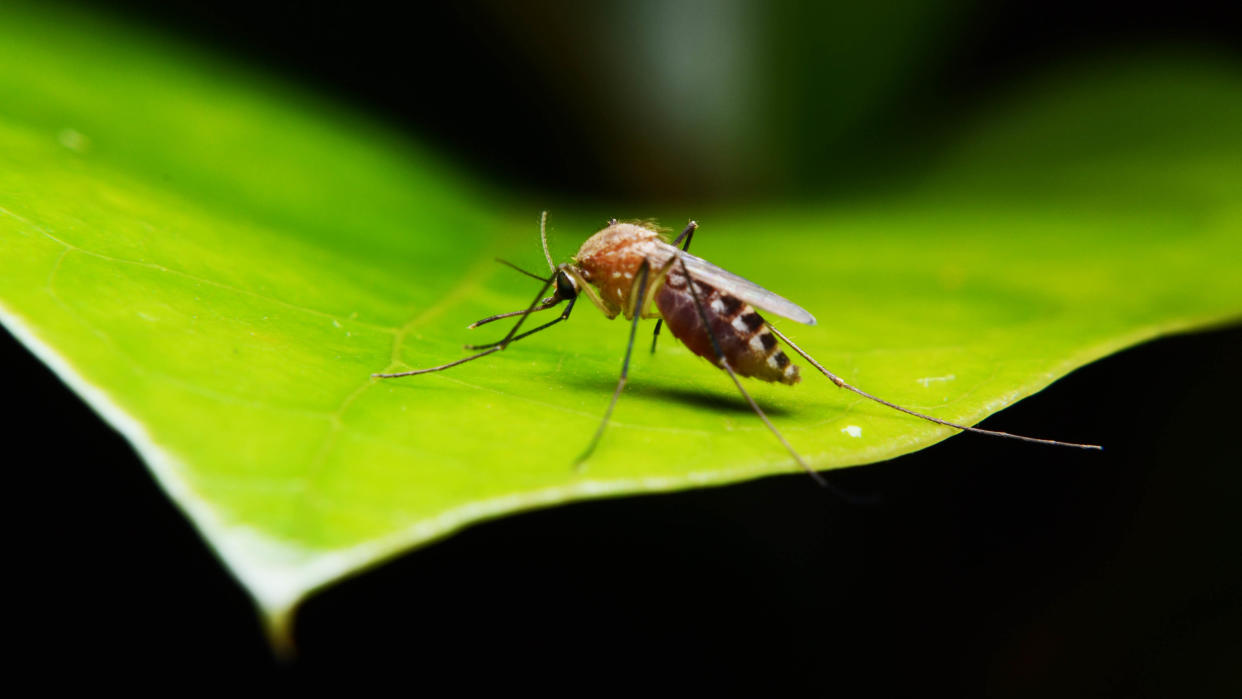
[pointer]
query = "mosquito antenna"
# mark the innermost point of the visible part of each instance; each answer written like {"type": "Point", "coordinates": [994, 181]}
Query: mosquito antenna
{"type": "Point", "coordinates": [543, 237]}
{"type": "Point", "coordinates": [841, 383]}
{"type": "Point", "coordinates": [499, 346]}
{"type": "Point", "coordinates": [724, 363]}
{"type": "Point", "coordinates": [507, 263]}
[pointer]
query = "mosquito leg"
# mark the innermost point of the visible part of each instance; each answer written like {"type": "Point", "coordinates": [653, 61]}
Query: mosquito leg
{"type": "Point", "coordinates": [841, 383]}
{"type": "Point", "coordinates": [499, 346]}
{"type": "Point", "coordinates": [543, 306]}
{"type": "Point", "coordinates": [528, 333]}
{"type": "Point", "coordinates": [509, 264]}
{"type": "Point", "coordinates": [442, 367]}
{"type": "Point", "coordinates": [547, 303]}
{"type": "Point", "coordinates": [698, 304]}
{"type": "Point", "coordinates": [641, 286]}
{"type": "Point", "coordinates": [688, 234]}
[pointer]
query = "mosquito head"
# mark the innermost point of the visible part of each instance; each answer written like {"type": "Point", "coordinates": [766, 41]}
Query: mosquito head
{"type": "Point", "coordinates": [566, 285]}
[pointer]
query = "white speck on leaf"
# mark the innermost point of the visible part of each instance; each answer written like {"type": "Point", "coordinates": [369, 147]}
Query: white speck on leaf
{"type": "Point", "coordinates": [74, 140]}
{"type": "Point", "coordinates": [336, 323]}
{"type": "Point", "coordinates": [852, 430]}
{"type": "Point", "coordinates": [928, 380]}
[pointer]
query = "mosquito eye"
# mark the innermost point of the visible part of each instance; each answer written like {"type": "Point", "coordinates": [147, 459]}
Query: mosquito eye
{"type": "Point", "coordinates": [565, 287]}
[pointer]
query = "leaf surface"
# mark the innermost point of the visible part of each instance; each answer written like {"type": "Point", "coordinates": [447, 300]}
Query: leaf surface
{"type": "Point", "coordinates": [217, 263]}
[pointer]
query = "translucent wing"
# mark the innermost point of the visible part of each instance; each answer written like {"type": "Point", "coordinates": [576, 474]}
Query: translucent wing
{"type": "Point", "coordinates": [703, 271]}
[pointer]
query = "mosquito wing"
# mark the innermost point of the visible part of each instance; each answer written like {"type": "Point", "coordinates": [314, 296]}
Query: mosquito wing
{"type": "Point", "coordinates": [744, 289]}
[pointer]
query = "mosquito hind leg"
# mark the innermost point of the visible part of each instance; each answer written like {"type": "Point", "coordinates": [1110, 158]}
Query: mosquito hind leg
{"type": "Point", "coordinates": [841, 383]}
{"type": "Point", "coordinates": [724, 363]}
{"type": "Point", "coordinates": [688, 235]}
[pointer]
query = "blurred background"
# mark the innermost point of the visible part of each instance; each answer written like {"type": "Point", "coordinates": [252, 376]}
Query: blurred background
{"type": "Point", "coordinates": [692, 99]}
{"type": "Point", "coordinates": [985, 570]}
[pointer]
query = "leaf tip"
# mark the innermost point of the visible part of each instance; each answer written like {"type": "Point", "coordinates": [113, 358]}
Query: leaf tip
{"type": "Point", "coordinates": [278, 625]}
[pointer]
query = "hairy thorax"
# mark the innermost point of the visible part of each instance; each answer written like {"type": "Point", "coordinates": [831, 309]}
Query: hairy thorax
{"type": "Point", "coordinates": [610, 261]}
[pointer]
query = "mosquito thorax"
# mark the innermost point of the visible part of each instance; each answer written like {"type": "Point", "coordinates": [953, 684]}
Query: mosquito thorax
{"type": "Point", "coordinates": [610, 259]}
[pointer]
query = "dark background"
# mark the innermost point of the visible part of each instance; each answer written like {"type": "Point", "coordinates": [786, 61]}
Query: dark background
{"type": "Point", "coordinates": [566, 97]}
{"type": "Point", "coordinates": [987, 568]}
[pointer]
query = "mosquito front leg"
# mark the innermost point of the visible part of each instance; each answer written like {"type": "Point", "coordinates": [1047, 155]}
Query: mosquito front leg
{"type": "Point", "coordinates": [637, 292]}
{"type": "Point", "coordinates": [543, 306]}
{"type": "Point", "coordinates": [564, 316]}
{"type": "Point", "coordinates": [534, 305]}
{"type": "Point", "coordinates": [688, 234]}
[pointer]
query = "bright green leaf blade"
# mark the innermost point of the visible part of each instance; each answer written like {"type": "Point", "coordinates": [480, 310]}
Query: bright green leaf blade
{"type": "Point", "coordinates": [217, 264]}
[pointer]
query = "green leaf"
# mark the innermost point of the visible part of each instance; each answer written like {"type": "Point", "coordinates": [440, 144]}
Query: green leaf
{"type": "Point", "coordinates": [217, 263]}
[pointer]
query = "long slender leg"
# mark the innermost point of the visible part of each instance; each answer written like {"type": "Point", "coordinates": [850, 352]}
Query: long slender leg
{"type": "Point", "coordinates": [509, 264]}
{"type": "Point", "coordinates": [688, 234]}
{"type": "Point", "coordinates": [547, 303]}
{"type": "Point", "coordinates": [842, 384]}
{"type": "Point", "coordinates": [724, 362]}
{"type": "Point", "coordinates": [543, 306]}
{"type": "Point", "coordinates": [500, 346]}
{"type": "Point", "coordinates": [641, 288]}
{"type": "Point", "coordinates": [528, 333]}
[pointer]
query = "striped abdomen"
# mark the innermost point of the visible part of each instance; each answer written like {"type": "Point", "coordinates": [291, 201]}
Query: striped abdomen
{"type": "Point", "coordinates": [742, 333]}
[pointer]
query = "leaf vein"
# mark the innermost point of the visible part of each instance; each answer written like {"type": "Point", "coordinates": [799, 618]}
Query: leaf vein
{"type": "Point", "coordinates": [193, 277]}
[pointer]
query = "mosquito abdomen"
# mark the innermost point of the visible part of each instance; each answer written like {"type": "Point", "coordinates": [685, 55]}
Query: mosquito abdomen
{"type": "Point", "coordinates": [743, 334]}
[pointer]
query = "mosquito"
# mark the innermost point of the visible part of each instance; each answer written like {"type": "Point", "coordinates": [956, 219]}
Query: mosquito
{"type": "Point", "coordinates": [630, 269]}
